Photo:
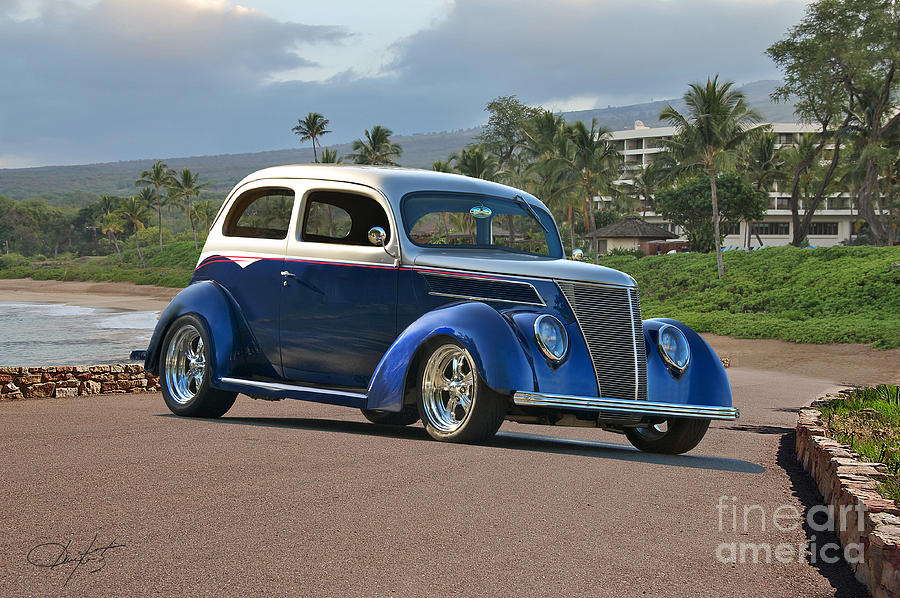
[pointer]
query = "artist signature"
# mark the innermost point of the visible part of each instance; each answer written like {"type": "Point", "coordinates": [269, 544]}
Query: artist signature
{"type": "Point", "coordinates": [57, 554]}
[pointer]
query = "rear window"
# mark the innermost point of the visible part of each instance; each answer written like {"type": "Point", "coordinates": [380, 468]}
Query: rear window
{"type": "Point", "coordinates": [261, 214]}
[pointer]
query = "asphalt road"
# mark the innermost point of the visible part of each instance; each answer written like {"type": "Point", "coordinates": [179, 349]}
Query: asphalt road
{"type": "Point", "coordinates": [298, 499]}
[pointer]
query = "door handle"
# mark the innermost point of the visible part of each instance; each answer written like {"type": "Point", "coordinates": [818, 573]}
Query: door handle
{"type": "Point", "coordinates": [287, 274]}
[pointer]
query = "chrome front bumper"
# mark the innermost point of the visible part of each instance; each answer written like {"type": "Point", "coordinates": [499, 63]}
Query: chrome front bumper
{"type": "Point", "coordinates": [621, 406]}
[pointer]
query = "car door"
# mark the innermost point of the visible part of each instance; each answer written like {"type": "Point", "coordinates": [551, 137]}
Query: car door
{"type": "Point", "coordinates": [338, 309]}
{"type": "Point", "coordinates": [245, 256]}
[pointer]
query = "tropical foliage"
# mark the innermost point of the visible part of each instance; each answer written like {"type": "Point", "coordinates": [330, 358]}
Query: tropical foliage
{"type": "Point", "coordinates": [310, 129]}
{"type": "Point", "coordinates": [376, 148]}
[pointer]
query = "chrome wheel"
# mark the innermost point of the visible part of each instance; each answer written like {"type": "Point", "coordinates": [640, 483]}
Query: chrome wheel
{"type": "Point", "coordinates": [185, 364]}
{"type": "Point", "coordinates": [448, 388]}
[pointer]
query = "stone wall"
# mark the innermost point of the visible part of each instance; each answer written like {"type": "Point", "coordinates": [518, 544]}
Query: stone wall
{"type": "Point", "coordinates": [850, 487]}
{"type": "Point", "coordinates": [74, 381]}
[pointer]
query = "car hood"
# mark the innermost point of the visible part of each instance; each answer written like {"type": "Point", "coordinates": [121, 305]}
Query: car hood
{"type": "Point", "coordinates": [526, 266]}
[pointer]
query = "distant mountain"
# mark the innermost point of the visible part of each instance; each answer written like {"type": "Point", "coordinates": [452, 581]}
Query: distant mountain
{"type": "Point", "coordinates": [78, 185]}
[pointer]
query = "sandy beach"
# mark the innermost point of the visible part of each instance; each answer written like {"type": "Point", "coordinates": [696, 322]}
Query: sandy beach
{"type": "Point", "coordinates": [121, 295]}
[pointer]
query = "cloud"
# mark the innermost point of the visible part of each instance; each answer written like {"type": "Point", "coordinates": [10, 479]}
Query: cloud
{"type": "Point", "coordinates": [121, 79]}
{"type": "Point", "coordinates": [544, 50]}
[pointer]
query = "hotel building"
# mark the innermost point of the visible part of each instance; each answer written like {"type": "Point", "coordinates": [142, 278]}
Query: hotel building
{"type": "Point", "coordinates": [832, 222]}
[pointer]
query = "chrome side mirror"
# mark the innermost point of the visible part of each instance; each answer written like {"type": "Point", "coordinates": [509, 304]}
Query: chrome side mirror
{"type": "Point", "coordinates": [577, 254]}
{"type": "Point", "coordinates": [377, 236]}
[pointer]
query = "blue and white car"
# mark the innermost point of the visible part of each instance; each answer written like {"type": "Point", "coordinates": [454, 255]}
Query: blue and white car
{"type": "Point", "coordinates": [416, 295]}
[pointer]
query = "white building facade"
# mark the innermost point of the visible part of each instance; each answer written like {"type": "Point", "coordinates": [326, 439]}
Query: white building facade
{"type": "Point", "coordinates": [831, 224]}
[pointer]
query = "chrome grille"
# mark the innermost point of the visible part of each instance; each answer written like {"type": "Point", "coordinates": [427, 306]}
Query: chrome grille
{"type": "Point", "coordinates": [610, 319]}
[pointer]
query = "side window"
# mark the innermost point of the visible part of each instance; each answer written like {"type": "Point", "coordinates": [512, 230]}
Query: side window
{"type": "Point", "coordinates": [261, 214]}
{"type": "Point", "coordinates": [326, 220]}
{"type": "Point", "coordinates": [341, 217]}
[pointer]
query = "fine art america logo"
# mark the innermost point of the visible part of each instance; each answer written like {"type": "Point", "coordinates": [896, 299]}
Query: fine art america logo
{"type": "Point", "coordinates": [820, 522]}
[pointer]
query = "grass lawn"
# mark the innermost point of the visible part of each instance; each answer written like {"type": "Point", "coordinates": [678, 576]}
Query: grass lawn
{"type": "Point", "coordinates": [829, 295]}
{"type": "Point", "coordinates": [869, 422]}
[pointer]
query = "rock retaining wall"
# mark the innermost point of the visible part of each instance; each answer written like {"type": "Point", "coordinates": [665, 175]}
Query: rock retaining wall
{"type": "Point", "coordinates": [74, 381]}
{"type": "Point", "coordinates": [850, 487]}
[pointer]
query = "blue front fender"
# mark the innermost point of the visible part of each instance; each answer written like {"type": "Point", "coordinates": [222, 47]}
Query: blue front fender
{"type": "Point", "coordinates": [234, 351]}
{"type": "Point", "coordinates": [703, 383]}
{"type": "Point", "coordinates": [490, 339]}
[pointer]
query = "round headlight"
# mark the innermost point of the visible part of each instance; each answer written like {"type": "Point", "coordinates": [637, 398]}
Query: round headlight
{"type": "Point", "coordinates": [551, 337]}
{"type": "Point", "coordinates": [674, 347]}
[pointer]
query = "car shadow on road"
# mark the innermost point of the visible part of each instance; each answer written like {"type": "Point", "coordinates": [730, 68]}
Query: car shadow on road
{"type": "Point", "coordinates": [507, 440]}
{"type": "Point", "coordinates": [838, 574]}
{"type": "Point", "coordinates": [604, 450]}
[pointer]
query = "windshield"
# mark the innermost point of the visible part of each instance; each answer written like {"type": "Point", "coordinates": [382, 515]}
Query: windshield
{"type": "Point", "coordinates": [479, 221]}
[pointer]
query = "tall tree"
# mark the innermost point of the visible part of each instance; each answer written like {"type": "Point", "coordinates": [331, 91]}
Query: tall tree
{"type": "Point", "coordinates": [311, 128]}
{"type": "Point", "coordinates": [716, 123]}
{"type": "Point", "coordinates": [810, 181]}
{"type": "Point", "coordinates": [504, 133]}
{"type": "Point", "coordinates": [187, 187]}
{"type": "Point", "coordinates": [159, 176]}
{"type": "Point", "coordinates": [134, 211]}
{"type": "Point", "coordinates": [764, 166]}
{"type": "Point", "coordinates": [645, 183]}
{"type": "Point", "coordinates": [376, 148]}
{"type": "Point", "coordinates": [110, 224]}
{"type": "Point", "coordinates": [597, 163]}
{"type": "Point", "coordinates": [552, 168]}
{"type": "Point", "coordinates": [205, 211]}
{"type": "Point", "coordinates": [841, 60]}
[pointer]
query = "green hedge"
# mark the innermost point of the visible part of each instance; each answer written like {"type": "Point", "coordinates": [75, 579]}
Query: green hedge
{"type": "Point", "coordinates": [829, 295]}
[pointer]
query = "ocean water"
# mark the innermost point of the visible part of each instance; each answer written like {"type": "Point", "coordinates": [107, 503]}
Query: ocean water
{"type": "Point", "coordinates": [35, 334]}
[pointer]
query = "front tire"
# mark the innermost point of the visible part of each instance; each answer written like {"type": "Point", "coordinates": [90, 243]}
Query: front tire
{"type": "Point", "coordinates": [672, 437]}
{"type": "Point", "coordinates": [184, 372]}
{"type": "Point", "coordinates": [454, 402]}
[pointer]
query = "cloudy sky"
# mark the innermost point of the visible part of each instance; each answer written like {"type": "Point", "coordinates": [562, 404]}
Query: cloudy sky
{"type": "Point", "coordinates": [101, 80]}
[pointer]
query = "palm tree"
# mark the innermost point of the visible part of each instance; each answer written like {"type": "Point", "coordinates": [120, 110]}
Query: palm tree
{"type": "Point", "coordinates": [205, 211]}
{"type": "Point", "coordinates": [311, 128]}
{"type": "Point", "coordinates": [551, 171]}
{"type": "Point", "coordinates": [187, 187]}
{"type": "Point", "coordinates": [597, 162]}
{"type": "Point", "coordinates": [110, 224]}
{"type": "Point", "coordinates": [645, 183]}
{"type": "Point", "coordinates": [134, 210]}
{"type": "Point", "coordinates": [159, 176]}
{"type": "Point", "coordinates": [441, 166]}
{"type": "Point", "coordinates": [717, 122]}
{"type": "Point", "coordinates": [475, 162]}
{"type": "Point", "coordinates": [330, 156]}
{"type": "Point", "coordinates": [108, 204]}
{"type": "Point", "coordinates": [764, 165]}
{"type": "Point", "coordinates": [376, 148]}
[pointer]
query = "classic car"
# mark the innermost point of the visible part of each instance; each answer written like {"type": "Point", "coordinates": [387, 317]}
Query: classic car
{"type": "Point", "coordinates": [416, 295]}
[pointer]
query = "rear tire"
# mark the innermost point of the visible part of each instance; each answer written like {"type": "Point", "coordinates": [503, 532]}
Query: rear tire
{"type": "Point", "coordinates": [408, 416]}
{"type": "Point", "coordinates": [454, 402]}
{"type": "Point", "coordinates": [185, 370]}
{"type": "Point", "coordinates": [679, 436]}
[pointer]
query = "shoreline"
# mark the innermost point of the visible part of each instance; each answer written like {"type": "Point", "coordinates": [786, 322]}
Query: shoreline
{"type": "Point", "coordinates": [118, 295]}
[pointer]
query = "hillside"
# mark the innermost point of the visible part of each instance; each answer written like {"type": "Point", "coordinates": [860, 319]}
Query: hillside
{"type": "Point", "coordinates": [77, 185]}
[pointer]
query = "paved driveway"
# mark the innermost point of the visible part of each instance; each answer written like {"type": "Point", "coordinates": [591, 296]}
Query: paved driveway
{"type": "Point", "coordinates": [297, 499]}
